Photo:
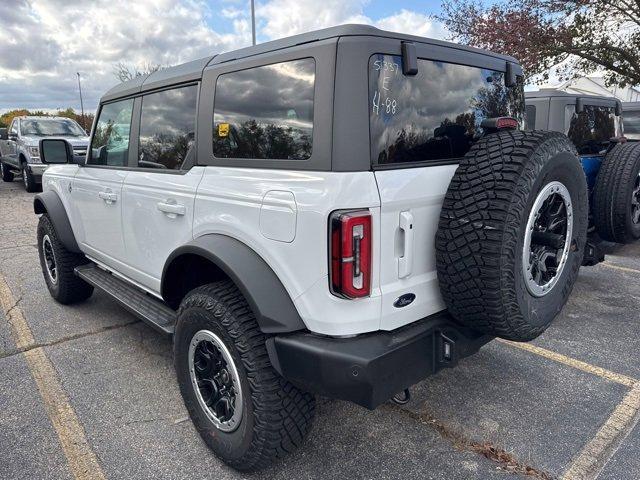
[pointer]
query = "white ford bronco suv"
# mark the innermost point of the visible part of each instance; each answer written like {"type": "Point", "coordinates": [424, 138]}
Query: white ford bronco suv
{"type": "Point", "coordinates": [342, 213]}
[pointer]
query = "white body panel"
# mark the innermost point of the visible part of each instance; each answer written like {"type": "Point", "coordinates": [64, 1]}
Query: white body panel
{"type": "Point", "coordinates": [233, 201]}
{"type": "Point", "coordinates": [410, 198]}
{"type": "Point", "coordinates": [157, 218]}
{"type": "Point", "coordinates": [283, 216]}
{"type": "Point", "coordinates": [97, 195]}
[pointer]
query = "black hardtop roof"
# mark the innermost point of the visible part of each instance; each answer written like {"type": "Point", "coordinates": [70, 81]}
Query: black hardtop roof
{"type": "Point", "coordinates": [553, 93]}
{"type": "Point", "coordinates": [192, 71]}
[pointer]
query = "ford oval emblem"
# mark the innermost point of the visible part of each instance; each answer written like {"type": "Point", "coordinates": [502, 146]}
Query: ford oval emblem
{"type": "Point", "coordinates": [404, 300]}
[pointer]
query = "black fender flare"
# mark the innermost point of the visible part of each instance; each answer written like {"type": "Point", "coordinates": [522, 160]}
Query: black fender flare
{"type": "Point", "coordinates": [269, 300]}
{"type": "Point", "coordinates": [49, 202]}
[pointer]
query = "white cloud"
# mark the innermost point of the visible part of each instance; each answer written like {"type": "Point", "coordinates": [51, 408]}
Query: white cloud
{"type": "Point", "coordinates": [413, 23]}
{"type": "Point", "coordinates": [43, 43]}
{"type": "Point", "coordinates": [281, 18]}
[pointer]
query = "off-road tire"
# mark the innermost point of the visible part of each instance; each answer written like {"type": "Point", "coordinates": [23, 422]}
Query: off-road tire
{"type": "Point", "coordinates": [480, 237]}
{"type": "Point", "coordinates": [616, 181]}
{"type": "Point", "coordinates": [276, 415]}
{"type": "Point", "coordinates": [28, 181]}
{"type": "Point", "coordinates": [68, 288]}
{"type": "Point", "coordinates": [7, 175]}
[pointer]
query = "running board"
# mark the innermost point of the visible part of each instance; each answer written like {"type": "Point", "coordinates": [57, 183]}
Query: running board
{"type": "Point", "coordinates": [143, 305]}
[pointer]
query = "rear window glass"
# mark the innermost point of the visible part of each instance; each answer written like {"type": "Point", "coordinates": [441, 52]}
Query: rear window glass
{"type": "Point", "coordinates": [591, 129]}
{"type": "Point", "coordinates": [632, 122]}
{"type": "Point", "coordinates": [436, 114]}
{"type": "Point", "coordinates": [265, 112]}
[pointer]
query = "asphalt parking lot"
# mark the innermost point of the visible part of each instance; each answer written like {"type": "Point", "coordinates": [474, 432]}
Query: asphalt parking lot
{"type": "Point", "coordinates": [89, 392]}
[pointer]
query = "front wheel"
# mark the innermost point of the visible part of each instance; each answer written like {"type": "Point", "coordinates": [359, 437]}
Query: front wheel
{"type": "Point", "coordinates": [29, 182]}
{"type": "Point", "coordinates": [242, 408]}
{"type": "Point", "coordinates": [58, 264]}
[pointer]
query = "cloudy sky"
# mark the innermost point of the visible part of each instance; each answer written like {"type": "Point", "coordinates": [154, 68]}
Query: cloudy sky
{"type": "Point", "coordinates": [43, 43]}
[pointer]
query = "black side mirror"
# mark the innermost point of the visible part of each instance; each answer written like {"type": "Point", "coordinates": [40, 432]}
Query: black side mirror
{"type": "Point", "coordinates": [54, 150]}
{"type": "Point", "coordinates": [510, 76]}
{"type": "Point", "coordinates": [3, 134]}
{"type": "Point", "coordinates": [409, 59]}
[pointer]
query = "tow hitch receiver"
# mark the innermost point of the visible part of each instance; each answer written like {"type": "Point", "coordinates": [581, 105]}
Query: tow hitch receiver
{"type": "Point", "coordinates": [593, 253]}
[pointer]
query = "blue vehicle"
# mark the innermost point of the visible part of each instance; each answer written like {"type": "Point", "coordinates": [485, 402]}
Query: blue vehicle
{"type": "Point", "coordinates": [611, 164]}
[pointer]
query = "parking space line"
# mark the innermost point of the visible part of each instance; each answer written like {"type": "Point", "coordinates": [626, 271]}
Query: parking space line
{"type": "Point", "coordinates": [572, 362]}
{"type": "Point", "coordinates": [594, 456]}
{"type": "Point", "coordinates": [618, 267]}
{"type": "Point", "coordinates": [82, 460]}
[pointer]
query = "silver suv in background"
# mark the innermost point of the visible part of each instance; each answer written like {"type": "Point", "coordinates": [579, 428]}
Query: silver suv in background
{"type": "Point", "coordinates": [19, 146]}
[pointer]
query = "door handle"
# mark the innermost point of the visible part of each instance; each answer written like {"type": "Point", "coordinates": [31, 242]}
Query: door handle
{"type": "Point", "coordinates": [172, 208]}
{"type": "Point", "coordinates": [405, 262]}
{"type": "Point", "coordinates": [108, 197]}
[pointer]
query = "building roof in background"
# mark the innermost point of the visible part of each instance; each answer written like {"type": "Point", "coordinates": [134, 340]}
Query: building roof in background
{"type": "Point", "coordinates": [595, 85]}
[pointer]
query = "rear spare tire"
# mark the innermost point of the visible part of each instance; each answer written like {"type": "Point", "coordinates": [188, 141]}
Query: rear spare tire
{"type": "Point", "coordinates": [616, 196]}
{"type": "Point", "coordinates": [512, 232]}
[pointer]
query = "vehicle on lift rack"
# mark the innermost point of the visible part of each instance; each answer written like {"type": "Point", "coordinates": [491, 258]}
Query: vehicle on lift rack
{"type": "Point", "coordinates": [19, 146]}
{"type": "Point", "coordinates": [631, 114]}
{"type": "Point", "coordinates": [611, 164]}
{"type": "Point", "coordinates": [342, 213]}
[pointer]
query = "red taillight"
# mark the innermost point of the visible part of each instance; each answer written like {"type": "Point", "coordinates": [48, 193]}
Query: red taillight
{"type": "Point", "coordinates": [350, 253]}
{"type": "Point", "coordinates": [506, 123]}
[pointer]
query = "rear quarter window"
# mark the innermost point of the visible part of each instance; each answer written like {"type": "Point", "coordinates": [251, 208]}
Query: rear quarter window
{"type": "Point", "coordinates": [436, 114]}
{"type": "Point", "coordinates": [592, 129]}
{"type": "Point", "coordinates": [632, 122]}
{"type": "Point", "coordinates": [265, 112]}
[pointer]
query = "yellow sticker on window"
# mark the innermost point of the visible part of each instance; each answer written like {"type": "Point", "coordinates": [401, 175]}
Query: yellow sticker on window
{"type": "Point", "coordinates": [223, 130]}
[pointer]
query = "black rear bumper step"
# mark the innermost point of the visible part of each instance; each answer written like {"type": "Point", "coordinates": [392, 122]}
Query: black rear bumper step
{"type": "Point", "coordinates": [371, 368]}
{"type": "Point", "coordinates": [148, 308]}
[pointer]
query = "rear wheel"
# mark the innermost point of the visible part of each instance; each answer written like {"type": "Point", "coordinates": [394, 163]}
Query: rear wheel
{"type": "Point", "coordinates": [243, 409]}
{"type": "Point", "coordinates": [7, 175]}
{"type": "Point", "coordinates": [512, 233]}
{"type": "Point", "coordinates": [616, 196]}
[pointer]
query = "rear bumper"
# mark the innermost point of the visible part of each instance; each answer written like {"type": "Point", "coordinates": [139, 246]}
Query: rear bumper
{"type": "Point", "coordinates": [371, 368]}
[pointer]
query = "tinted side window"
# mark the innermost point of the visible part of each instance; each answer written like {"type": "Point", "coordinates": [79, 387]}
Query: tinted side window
{"type": "Point", "coordinates": [632, 122]}
{"type": "Point", "coordinates": [436, 114]}
{"type": "Point", "coordinates": [265, 112]}
{"type": "Point", "coordinates": [591, 129]}
{"type": "Point", "coordinates": [110, 142]}
{"type": "Point", "coordinates": [530, 118]}
{"type": "Point", "coordinates": [167, 128]}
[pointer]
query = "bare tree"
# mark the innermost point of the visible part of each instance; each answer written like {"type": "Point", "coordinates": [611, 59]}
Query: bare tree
{"type": "Point", "coordinates": [125, 72]}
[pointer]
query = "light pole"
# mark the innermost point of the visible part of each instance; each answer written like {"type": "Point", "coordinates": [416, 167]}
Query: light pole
{"type": "Point", "coordinates": [81, 103]}
{"type": "Point", "coordinates": [253, 22]}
